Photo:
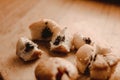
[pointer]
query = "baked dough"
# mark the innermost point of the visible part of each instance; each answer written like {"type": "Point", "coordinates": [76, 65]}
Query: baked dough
{"type": "Point", "coordinates": [79, 40]}
{"type": "Point", "coordinates": [27, 50]}
{"type": "Point", "coordinates": [84, 56]}
{"type": "Point", "coordinates": [61, 42]}
{"type": "Point", "coordinates": [44, 29]}
{"type": "Point", "coordinates": [111, 59]}
{"type": "Point", "coordinates": [99, 69]}
{"type": "Point", "coordinates": [96, 62]}
{"type": "Point", "coordinates": [102, 48]}
{"type": "Point", "coordinates": [56, 69]}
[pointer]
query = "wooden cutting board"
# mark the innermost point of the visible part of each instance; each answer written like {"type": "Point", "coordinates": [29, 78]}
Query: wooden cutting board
{"type": "Point", "coordinates": [100, 21]}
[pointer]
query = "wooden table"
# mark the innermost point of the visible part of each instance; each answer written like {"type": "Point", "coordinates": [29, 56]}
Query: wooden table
{"type": "Point", "coordinates": [96, 19]}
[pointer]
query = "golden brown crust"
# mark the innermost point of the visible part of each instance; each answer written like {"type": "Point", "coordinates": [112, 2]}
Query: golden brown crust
{"type": "Point", "coordinates": [44, 29]}
{"type": "Point", "coordinates": [42, 72]}
{"type": "Point", "coordinates": [99, 63]}
{"type": "Point", "coordinates": [84, 55]}
{"type": "Point", "coordinates": [54, 69]}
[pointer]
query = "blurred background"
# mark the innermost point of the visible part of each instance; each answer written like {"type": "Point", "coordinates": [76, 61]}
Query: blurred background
{"type": "Point", "coordinates": [99, 19]}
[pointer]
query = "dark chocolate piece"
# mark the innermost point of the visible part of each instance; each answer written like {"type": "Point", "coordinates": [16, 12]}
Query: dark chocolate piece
{"type": "Point", "coordinates": [60, 74]}
{"type": "Point", "coordinates": [46, 22]}
{"type": "Point", "coordinates": [63, 38]}
{"type": "Point", "coordinates": [46, 33]}
{"type": "Point", "coordinates": [95, 57]}
{"type": "Point", "coordinates": [87, 70]}
{"type": "Point", "coordinates": [59, 39]}
{"type": "Point", "coordinates": [87, 40]}
{"type": "Point", "coordinates": [91, 58]}
{"type": "Point", "coordinates": [28, 47]}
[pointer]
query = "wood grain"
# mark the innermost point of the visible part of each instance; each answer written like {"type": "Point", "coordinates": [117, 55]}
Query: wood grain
{"type": "Point", "coordinates": [96, 19]}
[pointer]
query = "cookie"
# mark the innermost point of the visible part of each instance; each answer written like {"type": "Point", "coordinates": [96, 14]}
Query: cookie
{"type": "Point", "coordinates": [84, 56]}
{"type": "Point", "coordinates": [61, 42]}
{"type": "Point", "coordinates": [44, 29]}
{"type": "Point", "coordinates": [56, 69]}
{"type": "Point", "coordinates": [95, 62]}
{"type": "Point", "coordinates": [102, 48]}
{"type": "Point", "coordinates": [111, 59]}
{"type": "Point", "coordinates": [27, 50]}
{"type": "Point", "coordinates": [79, 40]}
{"type": "Point", "coordinates": [99, 69]}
